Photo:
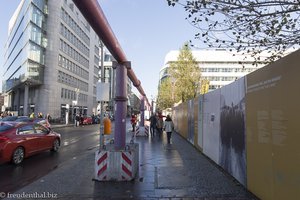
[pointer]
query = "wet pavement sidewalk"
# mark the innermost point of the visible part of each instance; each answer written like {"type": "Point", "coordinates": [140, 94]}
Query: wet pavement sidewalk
{"type": "Point", "coordinates": [166, 171]}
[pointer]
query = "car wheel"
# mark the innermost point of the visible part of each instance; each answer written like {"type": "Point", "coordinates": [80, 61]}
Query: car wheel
{"type": "Point", "coordinates": [18, 155]}
{"type": "Point", "coordinates": [56, 145]}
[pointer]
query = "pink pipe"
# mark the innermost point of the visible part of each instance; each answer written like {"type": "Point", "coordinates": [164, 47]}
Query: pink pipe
{"type": "Point", "coordinates": [93, 13]}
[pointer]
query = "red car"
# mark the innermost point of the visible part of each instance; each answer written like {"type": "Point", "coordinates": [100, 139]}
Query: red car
{"type": "Point", "coordinates": [87, 120]}
{"type": "Point", "coordinates": [19, 140]}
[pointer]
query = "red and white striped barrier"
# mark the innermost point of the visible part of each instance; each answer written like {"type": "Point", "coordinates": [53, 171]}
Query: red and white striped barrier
{"type": "Point", "coordinates": [117, 165]}
{"type": "Point", "coordinates": [101, 165]}
{"type": "Point", "coordinates": [137, 130]}
{"type": "Point", "coordinates": [143, 131]}
{"type": "Point", "coordinates": [147, 130]}
{"type": "Point", "coordinates": [126, 161]}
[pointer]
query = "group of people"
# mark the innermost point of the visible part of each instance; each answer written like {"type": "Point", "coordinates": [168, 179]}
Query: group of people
{"type": "Point", "coordinates": [39, 115]}
{"type": "Point", "coordinates": [5, 114]}
{"type": "Point", "coordinates": [32, 116]}
{"type": "Point", "coordinates": [157, 124]}
{"type": "Point", "coordinates": [78, 119]}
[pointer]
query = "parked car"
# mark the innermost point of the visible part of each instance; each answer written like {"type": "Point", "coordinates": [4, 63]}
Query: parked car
{"type": "Point", "coordinates": [42, 122]}
{"type": "Point", "coordinates": [26, 119]}
{"type": "Point", "coordinates": [23, 119]}
{"type": "Point", "coordinates": [87, 120]}
{"type": "Point", "coordinates": [19, 140]}
{"type": "Point", "coordinates": [8, 118]}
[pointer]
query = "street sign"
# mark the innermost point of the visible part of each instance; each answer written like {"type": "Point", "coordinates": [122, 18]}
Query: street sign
{"type": "Point", "coordinates": [102, 91]}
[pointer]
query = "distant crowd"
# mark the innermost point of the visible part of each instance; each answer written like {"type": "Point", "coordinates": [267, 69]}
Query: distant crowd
{"type": "Point", "coordinates": [5, 114]}
{"type": "Point", "coordinates": [157, 125]}
{"type": "Point", "coordinates": [32, 115]}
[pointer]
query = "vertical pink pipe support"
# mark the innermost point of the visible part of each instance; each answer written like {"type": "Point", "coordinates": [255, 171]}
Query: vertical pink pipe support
{"type": "Point", "coordinates": [142, 111]}
{"type": "Point", "coordinates": [121, 105]}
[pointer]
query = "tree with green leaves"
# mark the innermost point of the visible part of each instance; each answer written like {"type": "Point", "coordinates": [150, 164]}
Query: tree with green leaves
{"type": "Point", "coordinates": [165, 98]}
{"type": "Point", "coordinates": [249, 26]}
{"type": "Point", "coordinates": [183, 81]}
{"type": "Point", "coordinates": [185, 75]}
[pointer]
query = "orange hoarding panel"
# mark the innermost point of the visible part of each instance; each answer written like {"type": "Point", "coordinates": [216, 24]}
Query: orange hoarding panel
{"type": "Point", "coordinates": [191, 122]}
{"type": "Point", "coordinates": [272, 121]}
{"type": "Point", "coordinates": [181, 119]}
{"type": "Point", "coordinates": [195, 113]}
{"type": "Point", "coordinates": [184, 119]}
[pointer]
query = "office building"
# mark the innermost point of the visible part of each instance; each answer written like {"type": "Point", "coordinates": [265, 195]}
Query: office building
{"type": "Point", "coordinates": [218, 66]}
{"type": "Point", "coordinates": [51, 60]}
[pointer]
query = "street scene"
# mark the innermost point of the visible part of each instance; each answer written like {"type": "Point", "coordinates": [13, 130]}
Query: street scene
{"type": "Point", "coordinates": [68, 174]}
{"type": "Point", "coordinates": [133, 99]}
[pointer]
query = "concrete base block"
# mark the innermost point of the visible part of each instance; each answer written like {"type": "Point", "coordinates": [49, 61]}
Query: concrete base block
{"type": "Point", "coordinates": [117, 165]}
{"type": "Point", "coordinates": [142, 131]}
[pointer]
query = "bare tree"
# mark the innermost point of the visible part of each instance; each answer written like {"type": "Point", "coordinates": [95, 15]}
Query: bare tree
{"type": "Point", "coordinates": [249, 26]}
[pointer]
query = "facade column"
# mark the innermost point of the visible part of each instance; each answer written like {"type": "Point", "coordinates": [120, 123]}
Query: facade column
{"type": "Point", "coordinates": [26, 98]}
{"type": "Point", "coordinates": [121, 106]}
{"type": "Point", "coordinates": [17, 100]}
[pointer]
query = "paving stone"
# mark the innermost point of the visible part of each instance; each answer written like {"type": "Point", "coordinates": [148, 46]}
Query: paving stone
{"type": "Point", "coordinates": [176, 171]}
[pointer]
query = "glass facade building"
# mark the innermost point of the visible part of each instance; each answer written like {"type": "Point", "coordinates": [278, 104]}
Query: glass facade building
{"type": "Point", "coordinates": [25, 47]}
{"type": "Point", "coordinates": [51, 61]}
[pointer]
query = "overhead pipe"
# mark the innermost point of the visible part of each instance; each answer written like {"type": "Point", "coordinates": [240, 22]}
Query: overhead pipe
{"type": "Point", "coordinates": [93, 13]}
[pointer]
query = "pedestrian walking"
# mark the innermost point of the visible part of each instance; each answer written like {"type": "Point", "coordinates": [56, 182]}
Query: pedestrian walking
{"type": "Point", "coordinates": [159, 124]}
{"type": "Point", "coordinates": [153, 122]}
{"type": "Point", "coordinates": [32, 116]}
{"type": "Point", "coordinates": [169, 127]}
{"type": "Point", "coordinates": [133, 121]}
{"type": "Point", "coordinates": [48, 119]}
{"type": "Point", "coordinates": [40, 115]}
{"type": "Point", "coordinates": [81, 119]}
{"type": "Point", "coordinates": [77, 119]}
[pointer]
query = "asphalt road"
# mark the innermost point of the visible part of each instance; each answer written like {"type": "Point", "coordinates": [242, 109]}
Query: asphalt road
{"type": "Point", "coordinates": [75, 141]}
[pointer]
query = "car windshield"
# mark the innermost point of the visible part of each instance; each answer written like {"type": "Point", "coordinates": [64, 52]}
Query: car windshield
{"type": "Point", "coordinates": [23, 119]}
{"type": "Point", "coordinates": [38, 120]}
{"type": "Point", "coordinates": [5, 127]}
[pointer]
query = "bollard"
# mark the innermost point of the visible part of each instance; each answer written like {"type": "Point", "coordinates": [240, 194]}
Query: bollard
{"type": "Point", "coordinates": [107, 126]}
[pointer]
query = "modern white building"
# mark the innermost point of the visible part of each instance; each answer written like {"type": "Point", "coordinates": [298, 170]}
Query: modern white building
{"type": "Point", "coordinates": [51, 60]}
{"type": "Point", "coordinates": [218, 66]}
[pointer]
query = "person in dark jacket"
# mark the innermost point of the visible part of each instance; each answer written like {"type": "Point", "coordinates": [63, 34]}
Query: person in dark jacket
{"type": "Point", "coordinates": [159, 124]}
{"type": "Point", "coordinates": [77, 120]}
{"type": "Point", "coordinates": [169, 127]}
{"type": "Point", "coordinates": [153, 122]}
